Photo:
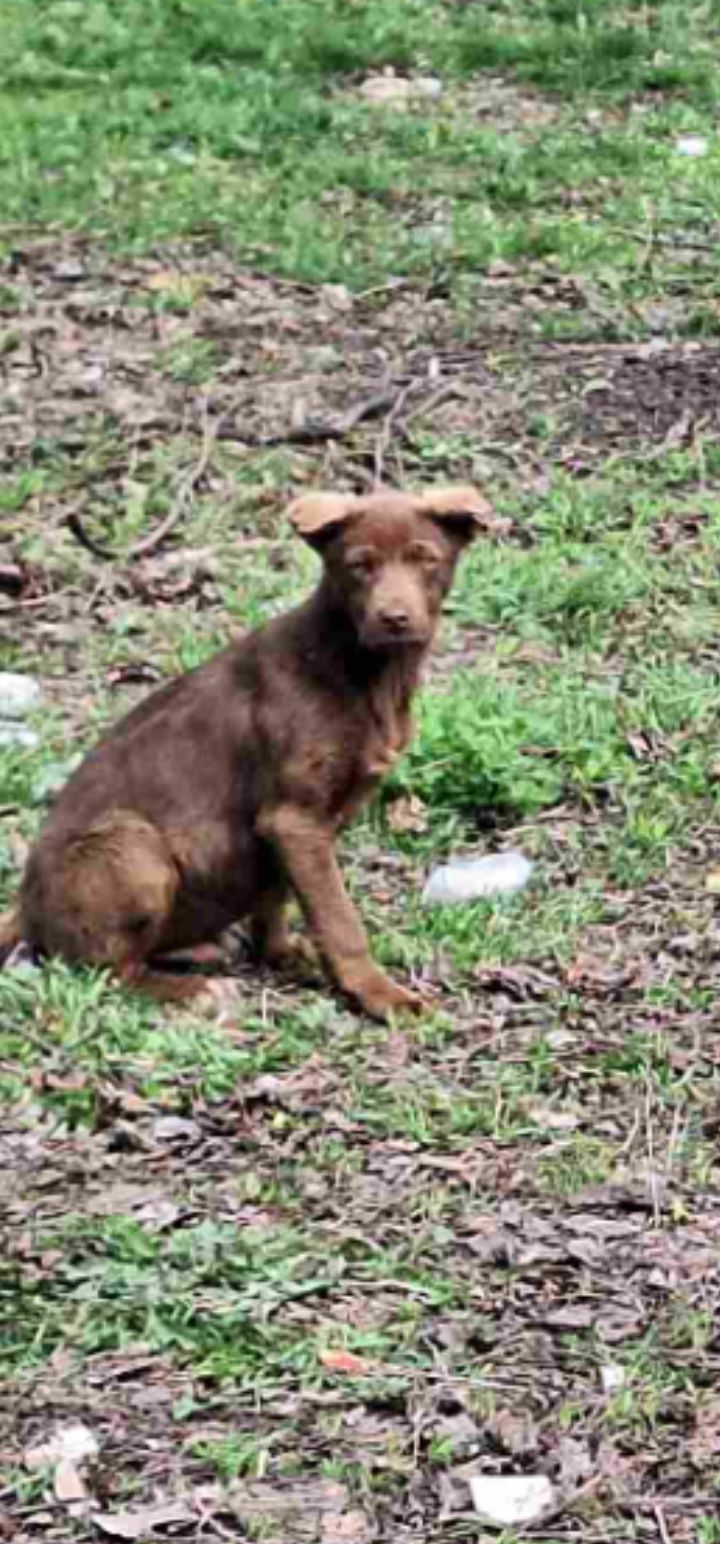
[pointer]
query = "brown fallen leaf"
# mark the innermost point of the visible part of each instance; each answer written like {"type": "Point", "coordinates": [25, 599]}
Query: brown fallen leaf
{"type": "Point", "coordinates": [346, 1361]}
{"type": "Point", "coordinates": [407, 814]}
{"type": "Point", "coordinates": [68, 1444]}
{"type": "Point", "coordinates": [68, 1483]}
{"type": "Point", "coordinates": [141, 1521]}
{"type": "Point", "coordinates": [346, 1528]}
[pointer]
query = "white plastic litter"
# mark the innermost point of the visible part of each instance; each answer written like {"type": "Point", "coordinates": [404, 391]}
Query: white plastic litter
{"type": "Point", "coordinates": [507, 1500]}
{"type": "Point", "coordinates": [469, 879]}
{"type": "Point", "coordinates": [19, 694]}
{"type": "Point", "coordinates": [694, 145]}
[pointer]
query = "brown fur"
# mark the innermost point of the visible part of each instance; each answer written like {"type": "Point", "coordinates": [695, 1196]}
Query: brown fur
{"type": "Point", "coordinates": [225, 790]}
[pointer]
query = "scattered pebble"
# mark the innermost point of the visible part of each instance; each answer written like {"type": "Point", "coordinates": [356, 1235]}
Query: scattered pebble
{"type": "Point", "coordinates": [19, 695]}
{"type": "Point", "coordinates": [13, 733]}
{"type": "Point", "coordinates": [468, 879]}
{"type": "Point", "coordinates": [694, 145]}
{"type": "Point", "coordinates": [508, 1500]}
{"type": "Point", "coordinates": [612, 1377]}
{"type": "Point", "coordinates": [324, 358]}
{"type": "Point", "coordinates": [398, 92]}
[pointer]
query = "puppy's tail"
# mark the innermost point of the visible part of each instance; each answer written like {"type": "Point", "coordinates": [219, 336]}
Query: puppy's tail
{"type": "Point", "coordinates": [10, 932]}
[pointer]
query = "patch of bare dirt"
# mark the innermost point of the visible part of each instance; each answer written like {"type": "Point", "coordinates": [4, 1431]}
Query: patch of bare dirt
{"type": "Point", "coordinates": [100, 382]}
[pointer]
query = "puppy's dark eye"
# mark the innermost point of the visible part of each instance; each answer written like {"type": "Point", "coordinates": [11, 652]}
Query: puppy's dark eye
{"type": "Point", "coordinates": [423, 553]}
{"type": "Point", "coordinates": [361, 563]}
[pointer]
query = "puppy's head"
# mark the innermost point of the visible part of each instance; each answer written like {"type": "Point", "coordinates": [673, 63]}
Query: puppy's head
{"type": "Point", "coordinates": [390, 557]}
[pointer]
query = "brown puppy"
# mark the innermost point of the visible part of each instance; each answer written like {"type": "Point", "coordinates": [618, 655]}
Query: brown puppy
{"type": "Point", "coordinates": [225, 790]}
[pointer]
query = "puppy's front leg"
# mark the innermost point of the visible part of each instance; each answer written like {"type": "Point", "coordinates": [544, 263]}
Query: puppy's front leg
{"type": "Point", "coordinates": [306, 848]}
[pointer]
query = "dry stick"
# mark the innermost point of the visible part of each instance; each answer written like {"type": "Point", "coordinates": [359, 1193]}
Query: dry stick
{"type": "Point", "coordinates": [187, 487]}
{"type": "Point", "coordinates": [655, 238]}
{"type": "Point", "coordinates": [185, 491]}
{"type": "Point", "coordinates": [75, 526]}
{"type": "Point", "coordinates": [306, 435]}
{"type": "Point", "coordinates": [320, 431]}
{"type": "Point", "coordinates": [383, 439]}
{"type": "Point", "coordinates": [36, 601]}
{"type": "Point", "coordinates": [659, 1516]}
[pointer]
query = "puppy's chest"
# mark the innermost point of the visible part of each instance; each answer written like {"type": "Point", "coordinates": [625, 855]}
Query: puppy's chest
{"type": "Point", "coordinates": [379, 744]}
{"type": "Point", "coordinates": [385, 741]}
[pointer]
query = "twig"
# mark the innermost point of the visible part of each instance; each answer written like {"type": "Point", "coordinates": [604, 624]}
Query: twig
{"type": "Point", "coordinates": [383, 439]}
{"type": "Point", "coordinates": [447, 390]}
{"type": "Point", "coordinates": [384, 289]}
{"type": "Point", "coordinates": [657, 1210]}
{"type": "Point", "coordinates": [319, 431]}
{"type": "Point", "coordinates": [185, 491]}
{"type": "Point", "coordinates": [35, 601]}
{"type": "Point", "coordinates": [75, 525]}
{"type": "Point", "coordinates": [656, 239]}
{"type": "Point", "coordinates": [659, 1516]}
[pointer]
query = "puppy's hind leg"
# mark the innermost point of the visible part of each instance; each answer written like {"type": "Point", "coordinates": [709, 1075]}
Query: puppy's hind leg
{"type": "Point", "coordinates": [213, 996]}
{"type": "Point", "coordinates": [108, 899]}
{"type": "Point", "coordinates": [104, 897]}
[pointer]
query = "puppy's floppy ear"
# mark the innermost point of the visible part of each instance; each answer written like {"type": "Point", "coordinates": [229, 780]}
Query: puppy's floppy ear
{"type": "Point", "coordinates": [317, 516]}
{"type": "Point", "coordinates": [461, 511]}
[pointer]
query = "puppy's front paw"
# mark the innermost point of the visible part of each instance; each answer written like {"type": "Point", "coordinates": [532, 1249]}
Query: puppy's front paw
{"type": "Point", "coordinates": [381, 997]}
{"type": "Point", "coordinates": [218, 998]}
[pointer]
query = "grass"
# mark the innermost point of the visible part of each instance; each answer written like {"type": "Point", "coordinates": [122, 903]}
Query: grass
{"type": "Point", "coordinates": [241, 122]}
{"type": "Point", "coordinates": [488, 1208]}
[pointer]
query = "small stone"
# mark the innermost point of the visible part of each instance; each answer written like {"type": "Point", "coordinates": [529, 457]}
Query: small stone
{"type": "Point", "coordinates": [70, 271]}
{"type": "Point", "coordinates": [509, 1500]}
{"type": "Point", "coordinates": [693, 145]}
{"type": "Point", "coordinates": [12, 733]}
{"type": "Point", "coordinates": [337, 296]}
{"type": "Point", "coordinates": [19, 695]}
{"type": "Point", "coordinates": [324, 358]}
{"type": "Point", "coordinates": [174, 1128]}
{"type": "Point", "coordinates": [398, 92]}
{"type": "Point", "coordinates": [612, 1377]}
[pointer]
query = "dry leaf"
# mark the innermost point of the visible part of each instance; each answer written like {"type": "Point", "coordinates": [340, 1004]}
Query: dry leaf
{"type": "Point", "coordinates": [68, 1483]}
{"type": "Point", "coordinates": [136, 1524]}
{"type": "Point", "coordinates": [346, 1361]}
{"type": "Point", "coordinates": [407, 815]}
{"type": "Point", "coordinates": [346, 1528]}
{"type": "Point", "coordinates": [68, 1444]}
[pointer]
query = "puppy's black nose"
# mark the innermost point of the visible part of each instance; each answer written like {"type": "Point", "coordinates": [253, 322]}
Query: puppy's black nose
{"type": "Point", "coordinates": [395, 618]}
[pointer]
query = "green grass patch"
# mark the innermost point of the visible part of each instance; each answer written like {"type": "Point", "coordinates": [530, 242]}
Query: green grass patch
{"type": "Point", "coordinates": [241, 121]}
